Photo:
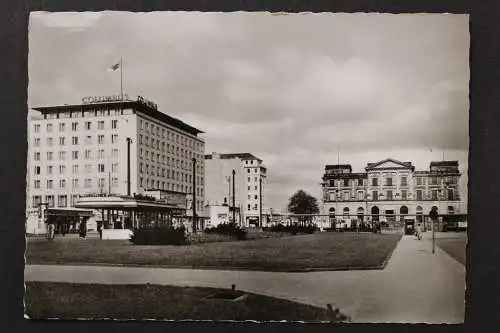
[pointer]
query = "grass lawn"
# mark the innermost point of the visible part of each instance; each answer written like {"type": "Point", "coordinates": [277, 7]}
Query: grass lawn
{"type": "Point", "coordinates": [321, 251]}
{"type": "Point", "coordinates": [455, 247]}
{"type": "Point", "coordinates": [70, 301]}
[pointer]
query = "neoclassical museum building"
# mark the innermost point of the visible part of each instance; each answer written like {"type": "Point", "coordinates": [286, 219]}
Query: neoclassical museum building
{"type": "Point", "coordinates": [392, 190]}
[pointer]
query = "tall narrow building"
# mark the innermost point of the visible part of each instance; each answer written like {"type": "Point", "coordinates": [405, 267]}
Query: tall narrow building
{"type": "Point", "coordinates": [249, 184]}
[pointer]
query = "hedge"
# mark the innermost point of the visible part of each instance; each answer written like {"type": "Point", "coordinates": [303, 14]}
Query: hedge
{"type": "Point", "coordinates": [162, 235]}
{"type": "Point", "coordinates": [228, 229]}
{"type": "Point", "coordinates": [293, 229]}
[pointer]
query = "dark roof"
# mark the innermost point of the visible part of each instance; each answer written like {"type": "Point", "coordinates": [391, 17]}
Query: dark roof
{"type": "Point", "coordinates": [135, 105]}
{"type": "Point", "coordinates": [243, 156]}
{"type": "Point", "coordinates": [338, 166]}
{"type": "Point", "coordinates": [444, 163]}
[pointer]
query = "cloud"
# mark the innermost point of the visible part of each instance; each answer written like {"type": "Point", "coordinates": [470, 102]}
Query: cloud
{"type": "Point", "coordinates": [288, 89]}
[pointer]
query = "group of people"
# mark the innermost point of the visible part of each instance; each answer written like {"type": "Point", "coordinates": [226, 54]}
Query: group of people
{"type": "Point", "coordinates": [51, 230]}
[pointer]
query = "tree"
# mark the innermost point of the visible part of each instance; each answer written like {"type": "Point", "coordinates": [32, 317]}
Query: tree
{"type": "Point", "coordinates": [303, 203]}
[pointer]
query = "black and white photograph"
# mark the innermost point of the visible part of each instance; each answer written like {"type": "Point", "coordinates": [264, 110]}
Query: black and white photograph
{"type": "Point", "coordinates": [247, 166]}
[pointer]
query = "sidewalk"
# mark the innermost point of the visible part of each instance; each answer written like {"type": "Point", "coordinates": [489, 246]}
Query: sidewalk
{"type": "Point", "coordinates": [416, 286]}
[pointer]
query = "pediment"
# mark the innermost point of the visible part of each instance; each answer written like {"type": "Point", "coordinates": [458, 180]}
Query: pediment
{"type": "Point", "coordinates": [389, 164]}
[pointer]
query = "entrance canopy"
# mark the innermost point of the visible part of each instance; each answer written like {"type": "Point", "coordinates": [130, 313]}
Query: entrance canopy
{"type": "Point", "coordinates": [127, 204]}
{"type": "Point", "coordinates": [69, 212]}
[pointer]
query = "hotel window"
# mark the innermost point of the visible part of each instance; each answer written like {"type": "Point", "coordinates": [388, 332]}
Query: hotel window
{"type": "Point", "coordinates": [37, 183]}
{"type": "Point", "coordinates": [74, 127]}
{"type": "Point", "coordinates": [100, 167]}
{"type": "Point", "coordinates": [75, 169]}
{"type": "Point", "coordinates": [375, 195]}
{"type": "Point", "coordinates": [37, 128]}
{"type": "Point", "coordinates": [434, 180]}
{"type": "Point", "coordinates": [141, 153]}
{"type": "Point", "coordinates": [389, 195]}
{"type": "Point", "coordinates": [74, 184]}
{"type": "Point", "coordinates": [434, 194]}
{"type": "Point", "coordinates": [62, 201]}
{"type": "Point", "coordinates": [62, 127]}
{"type": "Point", "coordinates": [49, 127]}
{"type": "Point", "coordinates": [50, 169]}
{"type": "Point", "coordinates": [147, 169]}
{"type": "Point", "coordinates": [74, 140]}
{"type": "Point", "coordinates": [147, 155]}
{"type": "Point", "coordinates": [50, 155]}
{"type": "Point", "coordinates": [37, 170]}
{"type": "Point", "coordinates": [114, 182]}
{"type": "Point", "coordinates": [88, 125]}
{"type": "Point", "coordinates": [37, 200]}
{"type": "Point", "coordinates": [114, 124]}
{"type": "Point", "coordinates": [88, 140]}
{"type": "Point", "coordinates": [62, 141]}
{"type": "Point", "coordinates": [50, 142]}
{"type": "Point", "coordinates": [346, 196]}
{"type": "Point", "coordinates": [141, 182]}
{"type": "Point", "coordinates": [37, 156]}
{"type": "Point", "coordinates": [141, 124]}
{"type": "Point", "coordinates": [404, 181]}
{"type": "Point", "coordinates": [62, 169]}
{"type": "Point", "coordinates": [419, 194]}
{"type": "Point", "coordinates": [62, 183]}
{"type": "Point", "coordinates": [404, 194]}
{"type": "Point", "coordinates": [450, 194]}
{"type": "Point", "coordinates": [360, 182]}
{"type": "Point", "coordinates": [37, 142]}
{"type": "Point", "coordinates": [100, 125]}
{"type": "Point", "coordinates": [346, 182]}
{"type": "Point", "coordinates": [147, 127]}
{"type": "Point", "coordinates": [114, 138]}
{"type": "Point", "coordinates": [50, 184]}
{"type": "Point", "coordinates": [388, 182]}
{"type": "Point", "coordinates": [141, 167]}
{"type": "Point", "coordinates": [88, 168]}
{"type": "Point", "coordinates": [140, 139]}
{"type": "Point", "coordinates": [74, 155]}
{"type": "Point", "coordinates": [88, 183]}
{"type": "Point", "coordinates": [419, 180]}
{"type": "Point", "coordinates": [374, 181]}
{"type": "Point", "coordinates": [114, 153]}
{"type": "Point", "coordinates": [100, 139]}
{"type": "Point", "coordinates": [101, 182]}
{"type": "Point", "coordinates": [50, 201]}
{"type": "Point", "coordinates": [360, 196]}
{"type": "Point", "coordinates": [88, 154]}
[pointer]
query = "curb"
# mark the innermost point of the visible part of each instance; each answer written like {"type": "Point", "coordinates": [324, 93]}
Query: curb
{"type": "Point", "coordinates": [221, 268]}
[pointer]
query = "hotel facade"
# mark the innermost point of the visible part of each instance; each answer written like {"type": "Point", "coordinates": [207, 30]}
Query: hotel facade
{"type": "Point", "coordinates": [78, 150]}
{"type": "Point", "coordinates": [249, 184]}
{"type": "Point", "coordinates": [389, 190]}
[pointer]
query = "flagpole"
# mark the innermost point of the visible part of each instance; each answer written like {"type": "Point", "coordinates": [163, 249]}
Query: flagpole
{"type": "Point", "coordinates": [121, 78]}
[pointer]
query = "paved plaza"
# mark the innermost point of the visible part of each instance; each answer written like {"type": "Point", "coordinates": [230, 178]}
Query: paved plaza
{"type": "Point", "coordinates": [415, 286]}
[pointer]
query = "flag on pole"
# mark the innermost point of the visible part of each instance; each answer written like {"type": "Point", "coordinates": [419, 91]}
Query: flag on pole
{"type": "Point", "coordinates": [115, 67]}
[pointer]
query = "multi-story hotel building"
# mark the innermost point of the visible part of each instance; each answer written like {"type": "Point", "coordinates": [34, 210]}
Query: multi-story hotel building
{"type": "Point", "coordinates": [249, 184]}
{"type": "Point", "coordinates": [82, 149]}
{"type": "Point", "coordinates": [391, 189]}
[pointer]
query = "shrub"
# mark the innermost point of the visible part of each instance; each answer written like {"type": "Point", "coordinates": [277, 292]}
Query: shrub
{"type": "Point", "coordinates": [293, 229]}
{"type": "Point", "coordinates": [228, 229]}
{"type": "Point", "coordinates": [163, 235]}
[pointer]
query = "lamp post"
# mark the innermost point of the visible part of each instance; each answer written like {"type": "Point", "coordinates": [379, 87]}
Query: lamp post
{"type": "Point", "coordinates": [234, 199]}
{"type": "Point", "coordinates": [129, 141]}
{"type": "Point", "coordinates": [194, 195]}
{"type": "Point", "coordinates": [260, 201]}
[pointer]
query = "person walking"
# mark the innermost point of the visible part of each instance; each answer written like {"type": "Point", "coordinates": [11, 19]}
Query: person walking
{"type": "Point", "coordinates": [50, 230]}
{"type": "Point", "coordinates": [83, 229]}
{"type": "Point", "coordinates": [99, 229]}
{"type": "Point", "coordinates": [418, 231]}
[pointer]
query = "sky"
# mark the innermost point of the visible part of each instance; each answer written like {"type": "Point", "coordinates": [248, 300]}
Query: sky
{"type": "Point", "coordinates": [298, 91]}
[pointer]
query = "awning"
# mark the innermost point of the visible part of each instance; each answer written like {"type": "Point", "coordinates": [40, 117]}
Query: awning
{"type": "Point", "coordinates": [69, 212]}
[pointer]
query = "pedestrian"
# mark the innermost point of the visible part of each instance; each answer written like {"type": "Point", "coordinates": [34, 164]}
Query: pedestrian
{"type": "Point", "coordinates": [99, 229]}
{"type": "Point", "coordinates": [83, 229]}
{"type": "Point", "coordinates": [418, 231]}
{"type": "Point", "coordinates": [50, 230]}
